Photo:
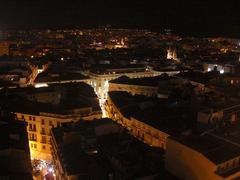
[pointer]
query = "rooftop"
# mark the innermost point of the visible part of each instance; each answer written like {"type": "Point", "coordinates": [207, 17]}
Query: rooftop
{"type": "Point", "coordinates": [147, 81]}
{"type": "Point", "coordinates": [161, 114]}
{"type": "Point", "coordinates": [73, 155]}
{"type": "Point", "coordinates": [197, 76]}
{"type": "Point", "coordinates": [14, 139]}
{"type": "Point", "coordinates": [108, 69]}
{"type": "Point", "coordinates": [59, 76]}
{"type": "Point", "coordinates": [74, 96]}
{"type": "Point", "coordinates": [213, 148]}
{"type": "Point", "coordinates": [118, 147]}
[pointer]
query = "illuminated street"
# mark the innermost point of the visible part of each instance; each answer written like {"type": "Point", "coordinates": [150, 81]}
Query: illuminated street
{"type": "Point", "coordinates": [101, 89]}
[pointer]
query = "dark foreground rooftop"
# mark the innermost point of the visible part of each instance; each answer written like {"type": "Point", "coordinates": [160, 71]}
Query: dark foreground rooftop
{"type": "Point", "coordinates": [213, 148]}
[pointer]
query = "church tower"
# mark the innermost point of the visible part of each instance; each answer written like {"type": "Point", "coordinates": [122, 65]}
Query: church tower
{"type": "Point", "coordinates": [172, 54]}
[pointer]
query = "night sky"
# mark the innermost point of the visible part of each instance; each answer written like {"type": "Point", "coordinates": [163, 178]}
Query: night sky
{"type": "Point", "coordinates": [195, 17]}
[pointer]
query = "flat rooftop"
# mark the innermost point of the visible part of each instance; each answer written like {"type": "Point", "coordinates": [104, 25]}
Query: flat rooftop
{"type": "Point", "coordinates": [215, 149]}
{"type": "Point", "coordinates": [59, 76]}
{"type": "Point", "coordinates": [75, 96]}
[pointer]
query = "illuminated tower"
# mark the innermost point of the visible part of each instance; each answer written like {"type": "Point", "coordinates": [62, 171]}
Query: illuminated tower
{"type": "Point", "coordinates": [169, 54]}
{"type": "Point", "coordinates": [172, 54]}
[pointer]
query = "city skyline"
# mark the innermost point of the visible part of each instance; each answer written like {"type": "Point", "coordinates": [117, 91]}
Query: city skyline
{"type": "Point", "coordinates": [199, 18]}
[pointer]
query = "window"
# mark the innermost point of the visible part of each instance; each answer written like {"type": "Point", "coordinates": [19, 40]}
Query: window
{"type": "Point", "coordinates": [31, 145]}
{"type": "Point", "coordinates": [44, 140]}
{"type": "Point", "coordinates": [35, 146]}
{"type": "Point", "coordinates": [30, 127]}
{"type": "Point", "coordinates": [33, 137]}
{"type": "Point", "coordinates": [30, 136]}
{"type": "Point", "coordinates": [43, 131]}
{"type": "Point", "coordinates": [50, 123]}
{"type": "Point", "coordinates": [30, 118]}
{"type": "Point", "coordinates": [43, 147]}
{"type": "Point", "coordinates": [33, 118]}
{"type": "Point", "coordinates": [58, 124]}
{"type": "Point", "coordinates": [227, 165]}
{"type": "Point", "coordinates": [34, 127]}
{"type": "Point", "coordinates": [22, 116]}
{"type": "Point", "coordinates": [43, 122]}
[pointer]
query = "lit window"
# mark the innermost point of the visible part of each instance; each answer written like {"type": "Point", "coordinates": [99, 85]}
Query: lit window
{"type": "Point", "coordinates": [34, 127]}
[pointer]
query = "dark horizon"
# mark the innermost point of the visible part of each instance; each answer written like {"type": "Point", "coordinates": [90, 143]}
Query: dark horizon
{"type": "Point", "coordinates": [198, 18]}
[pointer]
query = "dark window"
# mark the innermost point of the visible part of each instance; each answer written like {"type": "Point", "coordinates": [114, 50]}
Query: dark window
{"type": "Point", "coordinates": [44, 139]}
{"type": "Point", "coordinates": [30, 127]}
{"type": "Point", "coordinates": [43, 131]}
{"type": "Point", "coordinates": [50, 123]}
